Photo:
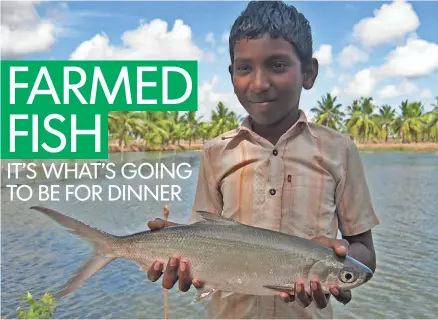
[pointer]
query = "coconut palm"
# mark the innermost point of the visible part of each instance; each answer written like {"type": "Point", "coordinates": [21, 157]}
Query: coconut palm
{"type": "Point", "coordinates": [362, 122]}
{"type": "Point", "coordinates": [410, 123]}
{"type": "Point", "coordinates": [386, 119]}
{"type": "Point", "coordinates": [220, 118]}
{"type": "Point", "coordinates": [192, 125]}
{"type": "Point", "coordinates": [328, 112]}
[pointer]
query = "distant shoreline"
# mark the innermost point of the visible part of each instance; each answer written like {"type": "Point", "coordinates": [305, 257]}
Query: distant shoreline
{"type": "Point", "coordinates": [184, 146]}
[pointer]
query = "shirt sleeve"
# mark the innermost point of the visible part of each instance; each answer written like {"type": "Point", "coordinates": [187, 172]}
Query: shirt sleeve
{"type": "Point", "coordinates": [208, 196]}
{"type": "Point", "coordinates": [355, 210]}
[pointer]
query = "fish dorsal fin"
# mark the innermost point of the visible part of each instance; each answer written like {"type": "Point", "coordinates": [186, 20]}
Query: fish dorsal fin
{"type": "Point", "coordinates": [211, 218]}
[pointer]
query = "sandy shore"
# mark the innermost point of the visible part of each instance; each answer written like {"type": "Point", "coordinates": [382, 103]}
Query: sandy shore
{"type": "Point", "coordinates": [391, 146]}
{"type": "Point", "coordinates": [184, 146]}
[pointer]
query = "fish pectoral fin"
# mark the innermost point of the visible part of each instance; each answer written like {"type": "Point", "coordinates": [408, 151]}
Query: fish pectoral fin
{"type": "Point", "coordinates": [203, 294]}
{"type": "Point", "coordinates": [225, 294]}
{"type": "Point", "coordinates": [213, 218]}
{"type": "Point", "coordinates": [280, 288]}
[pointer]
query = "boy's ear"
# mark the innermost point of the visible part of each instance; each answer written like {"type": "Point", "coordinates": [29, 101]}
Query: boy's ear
{"type": "Point", "coordinates": [310, 74]}
{"type": "Point", "coordinates": [230, 70]}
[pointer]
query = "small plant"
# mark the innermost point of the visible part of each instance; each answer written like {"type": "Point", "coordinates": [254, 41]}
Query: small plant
{"type": "Point", "coordinates": [42, 309]}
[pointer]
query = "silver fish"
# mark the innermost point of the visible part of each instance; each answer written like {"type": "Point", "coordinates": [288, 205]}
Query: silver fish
{"type": "Point", "coordinates": [223, 253]}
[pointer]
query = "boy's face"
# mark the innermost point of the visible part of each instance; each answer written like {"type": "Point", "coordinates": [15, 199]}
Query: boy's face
{"type": "Point", "coordinates": [267, 78]}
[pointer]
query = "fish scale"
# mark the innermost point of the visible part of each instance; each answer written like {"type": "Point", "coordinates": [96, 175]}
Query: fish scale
{"type": "Point", "coordinates": [224, 254]}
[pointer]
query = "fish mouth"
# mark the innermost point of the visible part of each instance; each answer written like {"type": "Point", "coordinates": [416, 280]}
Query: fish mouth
{"type": "Point", "coordinates": [368, 276]}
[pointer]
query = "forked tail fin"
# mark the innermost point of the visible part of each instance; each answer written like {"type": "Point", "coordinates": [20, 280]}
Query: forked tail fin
{"type": "Point", "coordinates": [100, 240]}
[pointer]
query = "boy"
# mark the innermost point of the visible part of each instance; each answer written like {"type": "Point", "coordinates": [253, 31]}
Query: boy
{"type": "Point", "coordinates": [278, 171]}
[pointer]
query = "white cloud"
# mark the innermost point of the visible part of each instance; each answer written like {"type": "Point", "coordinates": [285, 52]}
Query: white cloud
{"type": "Point", "coordinates": [414, 59]}
{"type": "Point", "coordinates": [362, 84]}
{"type": "Point", "coordinates": [426, 94]}
{"type": "Point", "coordinates": [222, 50]}
{"type": "Point", "coordinates": [344, 78]}
{"type": "Point", "coordinates": [335, 91]}
{"type": "Point", "coordinates": [390, 23]}
{"type": "Point", "coordinates": [225, 36]}
{"type": "Point", "coordinates": [209, 97]}
{"type": "Point", "coordinates": [351, 55]}
{"type": "Point", "coordinates": [210, 38]}
{"type": "Point", "coordinates": [324, 55]}
{"type": "Point", "coordinates": [393, 91]}
{"type": "Point", "coordinates": [23, 31]}
{"type": "Point", "coordinates": [149, 41]}
{"type": "Point", "coordinates": [330, 74]}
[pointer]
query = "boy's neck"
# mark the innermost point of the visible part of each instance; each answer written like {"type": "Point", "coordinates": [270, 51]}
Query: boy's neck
{"type": "Point", "coordinates": [273, 132]}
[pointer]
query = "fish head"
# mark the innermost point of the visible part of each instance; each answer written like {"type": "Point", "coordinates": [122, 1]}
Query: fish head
{"type": "Point", "coordinates": [345, 272]}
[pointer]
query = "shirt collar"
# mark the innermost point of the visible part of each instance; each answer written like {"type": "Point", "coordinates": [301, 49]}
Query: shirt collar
{"type": "Point", "coordinates": [245, 127]}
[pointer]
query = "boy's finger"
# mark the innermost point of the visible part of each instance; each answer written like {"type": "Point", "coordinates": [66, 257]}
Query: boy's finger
{"type": "Point", "coordinates": [170, 276]}
{"type": "Point", "coordinates": [301, 296]}
{"type": "Point", "coordinates": [185, 280]}
{"type": "Point", "coordinates": [318, 295]}
{"type": "Point", "coordinates": [156, 224]}
{"type": "Point", "coordinates": [155, 271]}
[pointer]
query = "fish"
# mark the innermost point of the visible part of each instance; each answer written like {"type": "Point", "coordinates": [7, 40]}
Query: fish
{"type": "Point", "coordinates": [224, 254]}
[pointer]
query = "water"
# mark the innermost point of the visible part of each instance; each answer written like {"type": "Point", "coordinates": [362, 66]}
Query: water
{"type": "Point", "coordinates": [38, 256]}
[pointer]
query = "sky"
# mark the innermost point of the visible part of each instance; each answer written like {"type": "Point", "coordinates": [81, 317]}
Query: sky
{"type": "Point", "coordinates": [385, 50]}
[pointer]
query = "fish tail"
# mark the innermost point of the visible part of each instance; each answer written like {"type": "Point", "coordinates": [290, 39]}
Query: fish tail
{"type": "Point", "coordinates": [101, 241]}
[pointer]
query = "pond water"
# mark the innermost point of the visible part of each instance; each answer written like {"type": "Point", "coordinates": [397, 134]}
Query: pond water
{"type": "Point", "coordinates": [39, 256]}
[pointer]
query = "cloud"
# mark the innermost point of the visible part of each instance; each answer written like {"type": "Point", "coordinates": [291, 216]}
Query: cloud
{"type": "Point", "coordinates": [393, 91]}
{"type": "Point", "coordinates": [362, 84]}
{"type": "Point", "coordinates": [210, 38]}
{"type": "Point", "coordinates": [23, 31]}
{"type": "Point", "coordinates": [390, 23]}
{"type": "Point", "coordinates": [426, 94]}
{"type": "Point", "coordinates": [149, 41]}
{"type": "Point", "coordinates": [209, 97]}
{"type": "Point", "coordinates": [350, 55]}
{"type": "Point", "coordinates": [225, 36]}
{"type": "Point", "coordinates": [416, 58]}
{"type": "Point", "coordinates": [324, 55]}
{"type": "Point", "coordinates": [330, 74]}
{"type": "Point", "coordinates": [335, 91]}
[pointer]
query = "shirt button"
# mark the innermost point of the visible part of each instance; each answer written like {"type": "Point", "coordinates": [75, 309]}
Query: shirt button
{"type": "Point", "coordinates": [272, 191]}
{"type": "Point", "coordinates": [275, 152]}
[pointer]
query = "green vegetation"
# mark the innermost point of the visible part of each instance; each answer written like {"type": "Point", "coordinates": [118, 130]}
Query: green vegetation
{"type": "Point", "coordinates": [363, 121]}
{"type": "Point", "coordinates": [42, 309]}
{"type": "Point", "coordinates": [367, 122]}
{"type": "Point", "coordinates": [151, 129]}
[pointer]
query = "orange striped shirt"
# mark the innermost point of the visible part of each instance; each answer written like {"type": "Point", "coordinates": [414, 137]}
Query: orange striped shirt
{"type": "Point", "coordinates": [310, 183]}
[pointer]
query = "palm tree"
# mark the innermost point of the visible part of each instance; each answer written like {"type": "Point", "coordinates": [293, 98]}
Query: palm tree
{"type": "Point", "coordinates": [220, 118]}
{"type": "Point", "coordinates": [192, 125]}
{"type": "Point", "coordinates": [124, 124]}
{"type": "Point", "coordinates": [432, 121]}
{"type": "Point", "coordinates": [362, 121]}
{"type": "Point", "coordinates": [409, 124]}
{"type": "Point", "coordinates": [385, 119]}
{"type": "Point", "coordinates": [328, 113]}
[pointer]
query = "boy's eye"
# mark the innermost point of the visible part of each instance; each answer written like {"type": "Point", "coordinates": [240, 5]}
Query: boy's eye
{"type": "Point", "coordinates": [279, 66]}
{"type": "Point", "coordinates": [243, 68]}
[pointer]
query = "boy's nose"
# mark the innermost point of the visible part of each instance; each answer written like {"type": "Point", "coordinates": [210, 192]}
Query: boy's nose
{"type": "Point", "coordinates": [260, 82]}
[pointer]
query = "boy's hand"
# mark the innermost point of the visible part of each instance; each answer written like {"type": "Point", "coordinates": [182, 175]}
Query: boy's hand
{"type": "Point", "coordinates": [340, 246]}
{"type": "Point", "coordinates": [176, 268]}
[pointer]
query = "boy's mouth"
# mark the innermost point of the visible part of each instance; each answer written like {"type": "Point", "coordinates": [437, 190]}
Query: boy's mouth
{"type": "Point", "coordinates": [261, 101]}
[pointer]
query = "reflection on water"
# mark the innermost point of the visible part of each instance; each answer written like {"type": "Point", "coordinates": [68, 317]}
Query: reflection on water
{"type": "Point", "coordinates": [38, 256]}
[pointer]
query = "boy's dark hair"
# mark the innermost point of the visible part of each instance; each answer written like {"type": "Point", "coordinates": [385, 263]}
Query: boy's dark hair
{"type": "Point", "coordinates": [277, 19]}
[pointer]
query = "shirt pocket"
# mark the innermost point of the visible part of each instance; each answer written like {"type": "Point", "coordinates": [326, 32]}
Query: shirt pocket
{"type": "Point", "coordinates": [308, 205]}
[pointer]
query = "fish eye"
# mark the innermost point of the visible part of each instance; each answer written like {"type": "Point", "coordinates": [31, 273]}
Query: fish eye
{"type": "Point", "coordinates": [346, 276]}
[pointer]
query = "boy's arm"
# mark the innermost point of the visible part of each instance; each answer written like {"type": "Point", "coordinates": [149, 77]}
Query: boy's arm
{"type": "Point", "coordinates": [356, 218]}
{"type": "Point", "coordinates": [207, 196]}
{"type": "Point", "coordinates": [355, 210]}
